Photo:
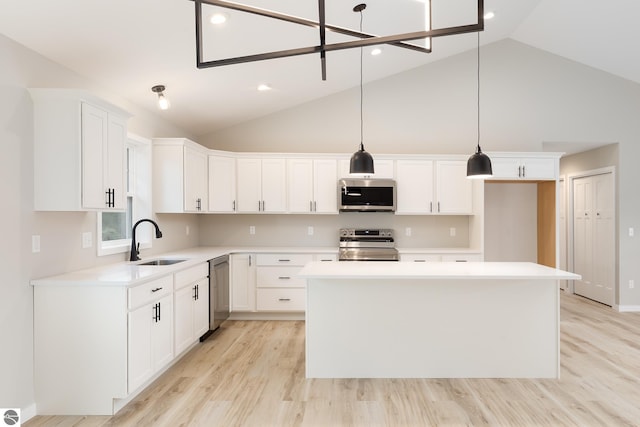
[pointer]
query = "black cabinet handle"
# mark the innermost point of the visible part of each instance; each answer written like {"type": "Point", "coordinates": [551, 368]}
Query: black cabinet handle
{"type": "Point", "coordinates": [284, 260]}
{"type": "Point", "coordinates": [284, 299]}
{"type": "Point", "coordinates": [158, 312]}
{"type": "Point", "coordinates": [156, 289]}
{"type": "Point", "coordinates": [284, 277]}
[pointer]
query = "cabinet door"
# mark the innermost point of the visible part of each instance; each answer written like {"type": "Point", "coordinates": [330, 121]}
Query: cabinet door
{"type": "Point", "coordinates": [195, 180]}
{"type": "Point", "coordinates": [201, 309]}
{"type": "Point", "coordinates": [139, 361]}
{"type": "Point", "coordinates": [222, 184]}
{"type": "Point", "coordinates": [414, 181]}
{"type": "Point", "coordinates": [184, 315]}
{"type": "Point", "coordinates": [115, 161]}
{"type": "Point", "coordinates": [539, 168]}
{"type": "Point", "coordinates": [274, 185]}
{"type": "Point", "coordinates": [454, 191]}
{"type": "Point", "coordinates": [505, 168]}
{"type": "Point", "coordinates": [162, 334]}
{"type": "Point", "coordinates": [300, 185]}
{"type": "Point", "coordinates": [249, 189]}
{"type": "Point", "coordinates": [243, 282]}
{"type": "Point", "coordinates": [325, 186]}
{"type": "Point", "coordinates": [94, 141]}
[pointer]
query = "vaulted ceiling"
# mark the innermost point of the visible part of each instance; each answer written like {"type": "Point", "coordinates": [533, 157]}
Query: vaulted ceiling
{"type": "Point", "coordinates": [129, 46]}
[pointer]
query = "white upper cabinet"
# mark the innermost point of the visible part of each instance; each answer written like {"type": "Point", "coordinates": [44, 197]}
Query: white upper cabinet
{"type": "Point", "coordinates": [521, 166]}
{"type": "Point", "coordinates": [312, 185]}
{"type": "Point", "coordinates": [261, 185]}
{"type": "Point", "coordinates": [414, 186]}
{"type": "Point", "coordinates": [222, 184]}
{"type": "Point", "coordinates": [454, 191]}
{"type": "Point", "coordinates": [179, 176]}
{"type": "Point", "coordinates": [78, 152]}
{"type": "Point", "coordinates": [433, 187]}
{"type": "Point", "coordinates": [383, 168]}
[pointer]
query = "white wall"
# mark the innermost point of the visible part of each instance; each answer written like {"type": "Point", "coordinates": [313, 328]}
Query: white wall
{"type": "Point", "coordinates": [511, 222]}
{"type": "Point", "coordinates": [60, 232]}
{"type": "Point", "coordinates": [529, 99]}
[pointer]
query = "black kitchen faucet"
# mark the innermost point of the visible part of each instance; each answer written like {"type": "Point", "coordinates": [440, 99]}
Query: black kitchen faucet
{"type": "Point", "coordinates": [135, 248]}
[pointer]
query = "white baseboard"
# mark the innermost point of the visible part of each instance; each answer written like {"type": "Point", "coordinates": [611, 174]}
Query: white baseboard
{"type": "Point", "coordinates": [27, 413]}
{"type": "Point", "coordinates": [263, 315]}
{"type": "Point", "coordinates": [628, 308]}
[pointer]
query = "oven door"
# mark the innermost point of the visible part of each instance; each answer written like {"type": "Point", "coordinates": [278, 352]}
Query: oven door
{"type": "Point", "coordinates": [368, 254]}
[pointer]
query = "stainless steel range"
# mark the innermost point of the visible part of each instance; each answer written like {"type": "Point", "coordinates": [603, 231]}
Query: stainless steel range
{"type": "Point", "coordinates": [358, 244]}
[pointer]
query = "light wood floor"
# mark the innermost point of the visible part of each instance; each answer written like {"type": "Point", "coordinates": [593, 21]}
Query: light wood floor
{"type": "Point", "coordinates": [252, 374]}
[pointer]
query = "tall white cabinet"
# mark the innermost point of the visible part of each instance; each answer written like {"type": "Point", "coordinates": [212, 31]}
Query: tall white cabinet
{"type": "Point", "coordinates": [79, 154]}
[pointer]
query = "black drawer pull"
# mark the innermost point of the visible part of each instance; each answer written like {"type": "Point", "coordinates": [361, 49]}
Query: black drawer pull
{"type": "Point", "coordinates": [284, 277]}
{"type": "Point", "coordinates": [156, 289]}
{"type": "Point", "coordinates": [284, 299]}
{"type": "Point", "coordinates": [284, 260]}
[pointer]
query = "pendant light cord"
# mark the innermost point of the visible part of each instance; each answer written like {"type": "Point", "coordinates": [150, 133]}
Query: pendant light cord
{"type": "Point", "coordinates": [361, 93]}
{"type": "Point", "coordinates": [478, 52]}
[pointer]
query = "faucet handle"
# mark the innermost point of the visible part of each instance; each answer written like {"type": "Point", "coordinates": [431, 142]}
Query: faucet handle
{"type": "Point", "coordinates": [138, 248]}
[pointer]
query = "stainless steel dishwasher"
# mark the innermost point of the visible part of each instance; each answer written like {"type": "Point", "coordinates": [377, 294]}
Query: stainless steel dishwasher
{"type": "Point", "coordinates": [218, 293]}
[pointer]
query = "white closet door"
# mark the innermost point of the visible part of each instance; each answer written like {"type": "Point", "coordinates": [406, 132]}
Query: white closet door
{"type": "Point", "coordinates": [594, 237]}
{"type": "Point", "coordinates": [582, 236]}
{"type": "Point", "coordinates": [604, 237]}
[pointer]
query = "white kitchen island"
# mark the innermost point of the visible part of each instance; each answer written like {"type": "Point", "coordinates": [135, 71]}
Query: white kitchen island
{"type": "Point", "coordinates": [432, 320]}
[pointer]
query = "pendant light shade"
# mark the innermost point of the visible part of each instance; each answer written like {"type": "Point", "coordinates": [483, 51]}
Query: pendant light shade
{"type": "Point", "coordinates": [479, 164]}
{"type": "Point", "coordinates": [361, 161]}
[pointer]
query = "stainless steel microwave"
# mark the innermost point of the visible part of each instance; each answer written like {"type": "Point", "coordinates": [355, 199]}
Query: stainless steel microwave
{"type": "Point", "coordinates": [367, 195]}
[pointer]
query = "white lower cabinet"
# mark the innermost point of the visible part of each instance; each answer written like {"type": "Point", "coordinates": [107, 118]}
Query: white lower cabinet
{"type": "Point", "coordinates": [278, 287]}
{"type": "Point", "coordinates": [242, 282]}
{"type": "Point", "coordinates": [191, 315]}
{"type": "Point", "coordinates": [269, 282]}
{"type": "Point", "coordinates": [150, 330]}
{"type": "Point", "coordinates": [97, 346]}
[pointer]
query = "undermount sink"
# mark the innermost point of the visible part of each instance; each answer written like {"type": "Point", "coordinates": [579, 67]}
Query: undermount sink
{"type": "Point", "coordinates": [162, 261]}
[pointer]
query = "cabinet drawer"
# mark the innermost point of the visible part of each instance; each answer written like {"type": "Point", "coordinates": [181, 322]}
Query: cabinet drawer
{"type": "Point", "coordinates": [150, 291]}
{"type": "Point", "coordinates": [281, 299]}
{"type": "Point", "coordinates": [325, 257]}
{"type": "Point", "coordinates": [283, 259]}
{"type": "Point", "coordinates": [420, 258]}
{"type": "Point", "coordinates": [190, 275]}
{"type": "Point", "coordinates": [279, 277]}
{"type": "Point", "coordinates": [461, 258]}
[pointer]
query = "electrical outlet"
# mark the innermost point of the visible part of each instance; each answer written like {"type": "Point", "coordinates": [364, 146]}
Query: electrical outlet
{"type": "Point", "coordinates": [632, 284]}
{"type": "Point", "coordinates": [407, 231]}
{"type": "Point", "coordinates": [631, 231]}
{"type": "Point", "coordinates": [252, 229]}
{"type": "Point", "coordinates": [35, 243]}
{"type": "Point", "coordinates": [187, 230]}
{"type": "Point", "coordinates": [87, 240]}
{"type": "Point", "coordinates": [310, 230]}
{"type": "Point", "coordinates": [452, 232]}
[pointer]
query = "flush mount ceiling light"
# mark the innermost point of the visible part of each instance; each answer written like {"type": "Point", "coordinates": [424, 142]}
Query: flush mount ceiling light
{"type": "Point", "coordinates": [163, 102]}
{"type": "Point", "coordinates": [364, 39]}
{"type": "Point", "coordinates": [361, 161]}
{"type": "Point", "coordinates": [479, 164]}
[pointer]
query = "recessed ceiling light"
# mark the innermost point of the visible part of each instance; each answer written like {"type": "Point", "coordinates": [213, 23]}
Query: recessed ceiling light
{"type": "Point", "coordinates": [489, 15]}
{"type": "Point", "coordinates": [218, 18]}
{"type": "Point", "coordinates": [376, 51]}
{"type": "Point", "coordinates": [263, 87]}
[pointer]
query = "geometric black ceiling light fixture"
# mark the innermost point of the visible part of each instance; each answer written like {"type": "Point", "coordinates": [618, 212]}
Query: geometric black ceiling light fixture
{"type": "Point", "coordinates": [363, 39]}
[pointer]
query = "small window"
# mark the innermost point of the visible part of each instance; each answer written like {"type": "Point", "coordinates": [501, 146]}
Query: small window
{"type": "Point", "coordinates": [114, 228]}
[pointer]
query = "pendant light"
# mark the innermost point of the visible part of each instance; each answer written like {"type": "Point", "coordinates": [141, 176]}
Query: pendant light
{"type": "Point", "coordinates": [163, 102]}
{"type": "Point", "coordinates": [361, 161]}
{"type": "Point", "coordinates": [479, 164]}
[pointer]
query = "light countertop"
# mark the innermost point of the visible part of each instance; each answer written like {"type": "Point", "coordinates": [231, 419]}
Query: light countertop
{"type": "Point", "coordinates": [436, 270]}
